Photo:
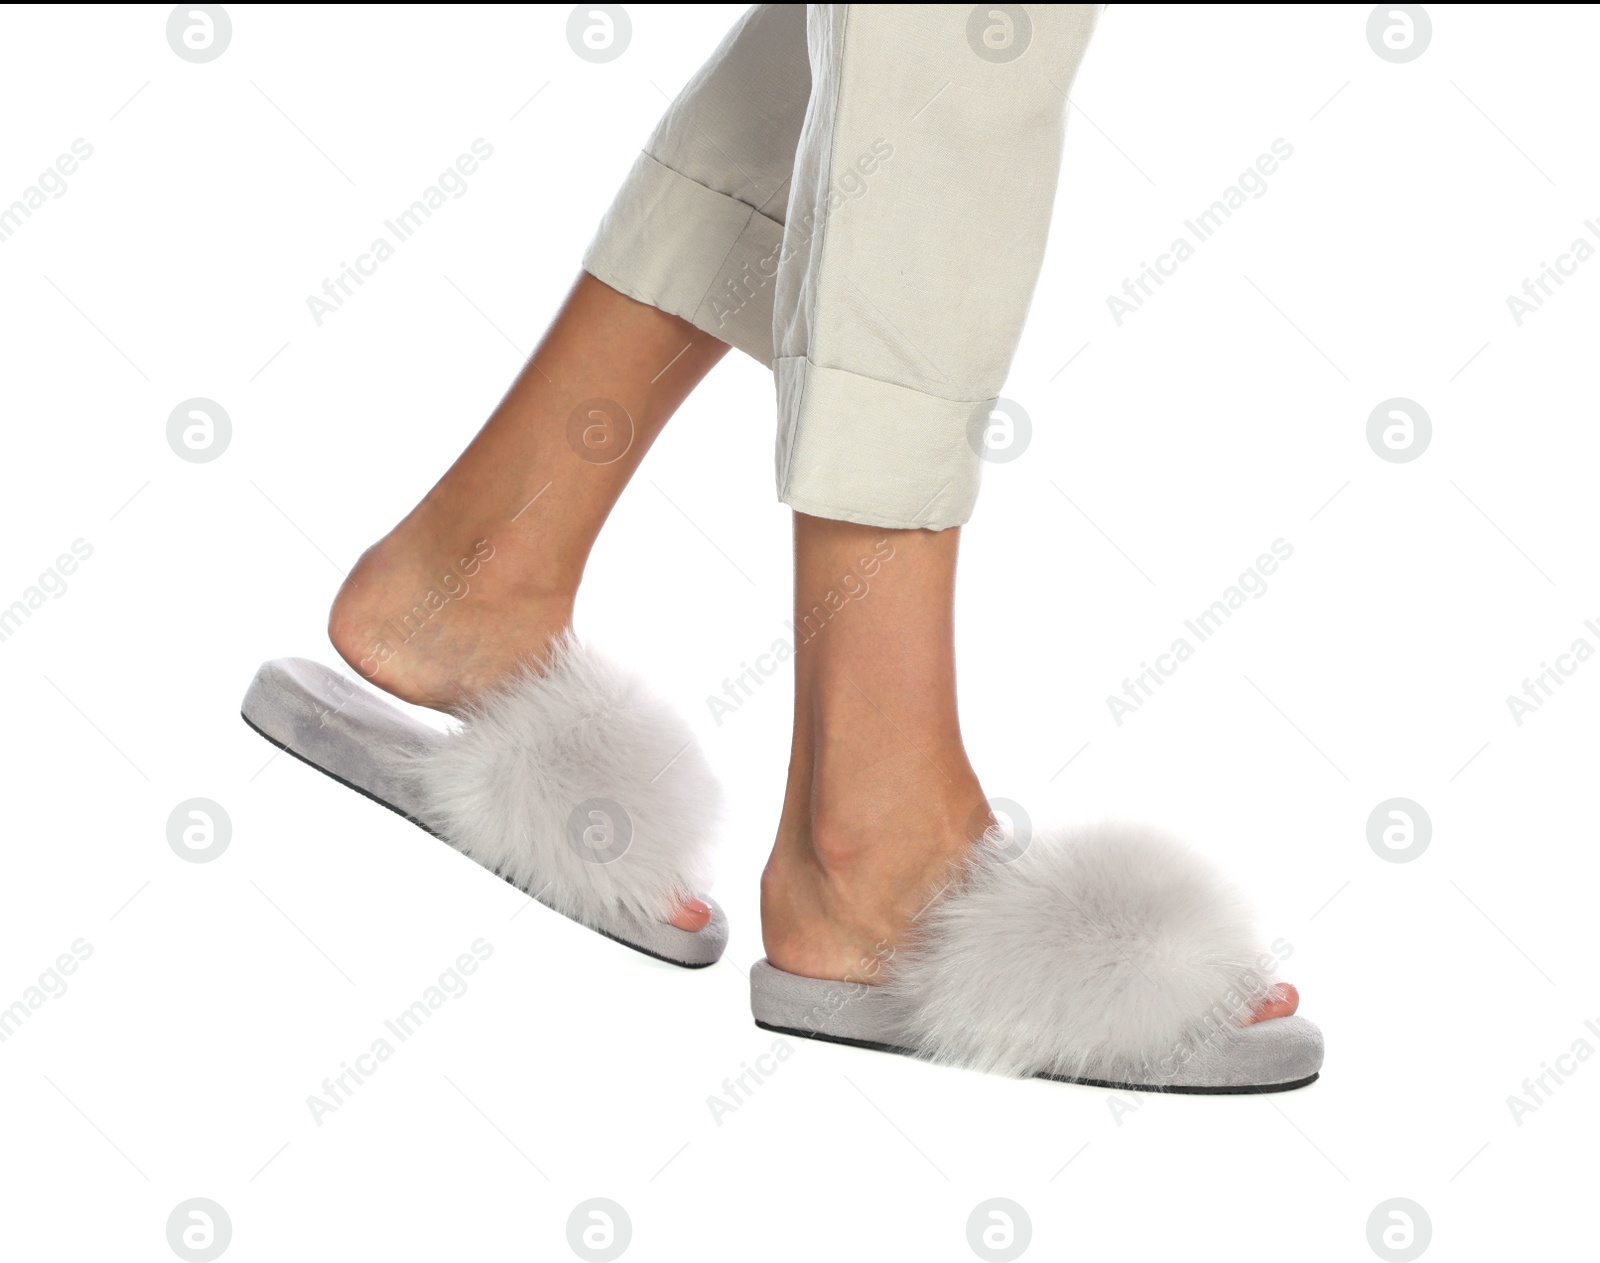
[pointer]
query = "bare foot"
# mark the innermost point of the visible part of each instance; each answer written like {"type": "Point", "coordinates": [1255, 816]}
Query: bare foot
{"type": "Point", "coordinates": [837, 909]}
{"type": "Point", "coordinates": [480, 577]}
{"type": "Point", "coordinates": [437, 614]}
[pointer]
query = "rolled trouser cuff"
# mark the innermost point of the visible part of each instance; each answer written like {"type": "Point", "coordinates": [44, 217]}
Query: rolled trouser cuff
{"type": "Point", "coordinates": [862, 450]}
{"type": "Point", "coordinates": [695, 253]}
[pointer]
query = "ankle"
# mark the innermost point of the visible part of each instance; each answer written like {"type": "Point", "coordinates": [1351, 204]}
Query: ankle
{"type": "Point", "coordinates": [895, 832]}
{"type": "Point", "coordinates": [841, 886]}
{"type": "Point", "coordinates": [865, 798]}
{"type": "Point", "coordinates": [851, 817]}
{"type": "Point", "coordinates": [469, 549]}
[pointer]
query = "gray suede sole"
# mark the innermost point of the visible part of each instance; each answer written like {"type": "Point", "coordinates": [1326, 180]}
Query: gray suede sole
{"type": "Point", "coordinates": [1277, 1055]}
{"type": "Point", "coordinates": [353, 735]}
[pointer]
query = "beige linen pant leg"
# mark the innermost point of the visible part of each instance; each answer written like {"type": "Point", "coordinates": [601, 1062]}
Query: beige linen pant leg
{"type": "Point", "coordinates": [697, 227]}
{"type": "Point", "coordinates": [859, 196]}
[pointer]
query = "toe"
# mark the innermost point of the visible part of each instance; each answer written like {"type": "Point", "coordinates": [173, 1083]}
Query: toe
{"type": "Point", "coordinates": [692, 915]}
{"type": "Point", "coordinates": [1281, 1001]}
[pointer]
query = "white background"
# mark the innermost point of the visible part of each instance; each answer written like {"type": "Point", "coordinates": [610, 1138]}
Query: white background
{"type": "Point", "coordinates": [1230, 411]}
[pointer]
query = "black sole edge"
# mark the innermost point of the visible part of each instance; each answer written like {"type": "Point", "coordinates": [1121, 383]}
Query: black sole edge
{"type": "Point", "coordinates": [1252, 1090]}
{"type": "Point", "coordinates": [368, 794]}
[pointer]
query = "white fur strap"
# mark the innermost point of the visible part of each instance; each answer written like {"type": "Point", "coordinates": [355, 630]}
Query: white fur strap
{"type": "Point", "coordinates": [579, 785]}
{"type": "Point", "coordinates": [1105, 952]}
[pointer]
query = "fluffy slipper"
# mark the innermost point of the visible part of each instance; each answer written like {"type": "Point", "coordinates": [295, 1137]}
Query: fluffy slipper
{"type": "Point", "coordinates": [574, 784]}
{"type": "Point", "coordinates": [1113, 956]}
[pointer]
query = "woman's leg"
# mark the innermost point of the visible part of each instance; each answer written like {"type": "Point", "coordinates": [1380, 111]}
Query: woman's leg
{"type": "Point", "coordinates": [671, 280]}
{"type": "Point", "coordinates": [680, 269]}
{"type": "Point", "coordinates": [922, 193]}
{"type": "Point", "coordinates": [880, 797]}
{"type": "Point", "coordinates": [483, 573]}
{"type": "Point", "coordinates": [502, 539]}
{"type": "Point", "coordinates": [921, 197]}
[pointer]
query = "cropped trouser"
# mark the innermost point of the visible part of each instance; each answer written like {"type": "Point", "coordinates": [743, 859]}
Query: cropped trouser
{"type": "Point", "coordinates": [858, 196]}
